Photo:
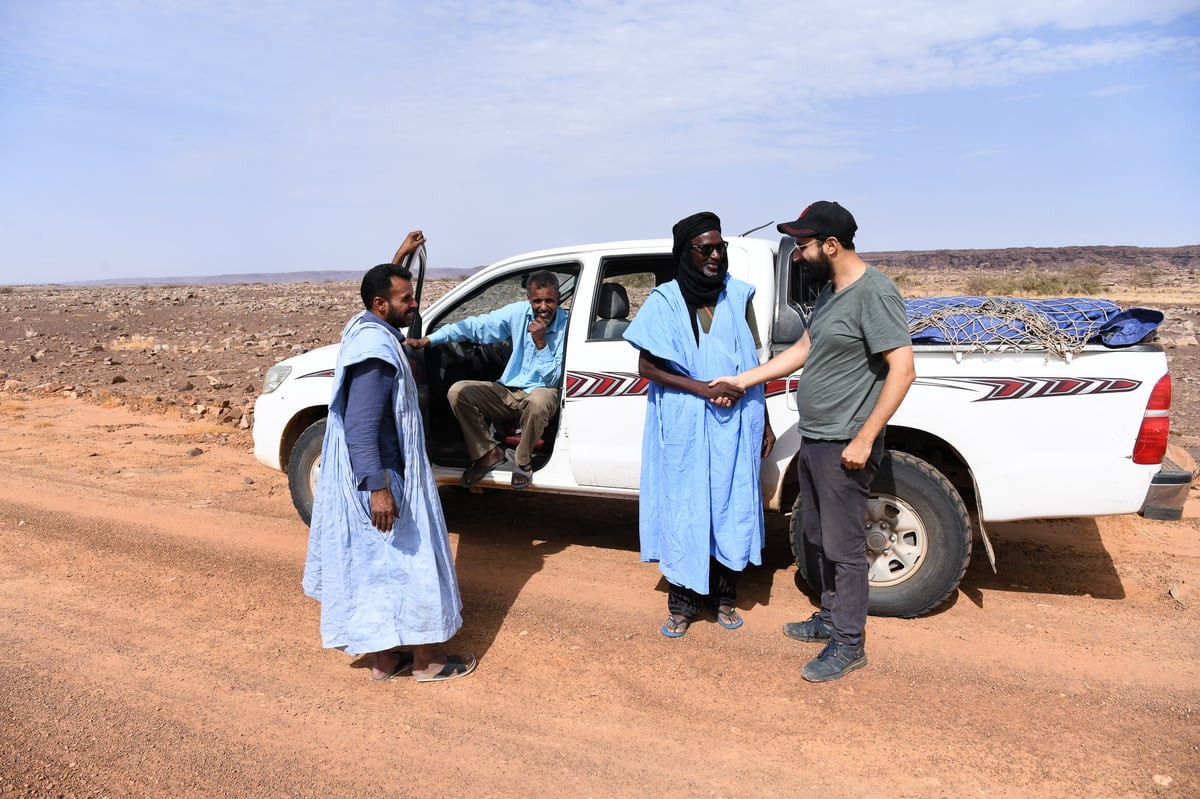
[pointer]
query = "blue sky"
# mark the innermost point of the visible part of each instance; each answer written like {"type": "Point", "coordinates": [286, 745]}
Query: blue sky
{"type": "Point", "coordinates": [142, 138]}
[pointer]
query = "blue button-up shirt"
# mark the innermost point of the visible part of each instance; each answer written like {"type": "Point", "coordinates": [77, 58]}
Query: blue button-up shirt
{"type": "Point", "coordinates": [528, 367]}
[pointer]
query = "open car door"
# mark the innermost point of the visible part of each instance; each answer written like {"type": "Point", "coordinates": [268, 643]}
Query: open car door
{"type": "Point", "coordinates": [415, 262]}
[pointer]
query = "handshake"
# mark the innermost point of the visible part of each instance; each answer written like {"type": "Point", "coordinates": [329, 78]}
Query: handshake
{"type": "Point", "coordinates": [725, 391]}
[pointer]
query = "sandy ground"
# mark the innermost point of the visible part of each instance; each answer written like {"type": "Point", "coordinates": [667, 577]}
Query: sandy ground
{"type": "Point", "coordinates": [157, 642]}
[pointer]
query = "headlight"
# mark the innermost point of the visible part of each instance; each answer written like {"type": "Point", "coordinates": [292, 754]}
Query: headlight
{"type": "Point", "coordinates": [275, 377]}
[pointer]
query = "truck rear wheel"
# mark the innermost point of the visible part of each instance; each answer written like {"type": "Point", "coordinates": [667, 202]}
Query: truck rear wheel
{"type": "Point", "coordinates": [918, 537]}
{"type": "Point", "coordinates": [303, 468]}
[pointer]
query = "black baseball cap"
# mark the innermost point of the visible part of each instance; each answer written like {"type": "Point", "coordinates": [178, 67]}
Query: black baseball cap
{"type": "Point", "coordinates": [822, 219]}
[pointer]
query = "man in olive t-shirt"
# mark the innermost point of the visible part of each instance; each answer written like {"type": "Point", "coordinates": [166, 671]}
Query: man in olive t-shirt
{"type": "Point", "coordinates": [858, 364]}
{"type": "Point", "coordinates": [849, 331]}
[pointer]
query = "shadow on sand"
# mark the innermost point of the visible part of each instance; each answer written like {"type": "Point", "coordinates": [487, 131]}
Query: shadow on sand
{"type": "Point", "coordinates": [505, 538]}
{"type": "Point", "coordinates": [1065, 557]}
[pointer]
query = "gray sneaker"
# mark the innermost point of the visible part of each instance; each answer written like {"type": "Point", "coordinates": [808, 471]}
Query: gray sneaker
{"type": "Point", "coordinates": [812, 629]}
{"type": "Point", "coordinates": [835, 661]}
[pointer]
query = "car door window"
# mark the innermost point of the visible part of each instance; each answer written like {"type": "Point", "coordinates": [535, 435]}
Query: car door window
{"type": "Point", "coordinates": [507, 289]}
{"type": "Point", "coordinates": [625, 283]}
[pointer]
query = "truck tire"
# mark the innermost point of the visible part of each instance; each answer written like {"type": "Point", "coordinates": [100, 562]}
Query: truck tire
{"type": "Point", "coordinates": [918, 537]}
{"type": "Point", "coordinates": [303, 467]}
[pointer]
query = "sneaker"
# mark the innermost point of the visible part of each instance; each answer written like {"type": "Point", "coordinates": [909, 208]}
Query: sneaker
{"type": "Point", "coordinates": [835, 661]}
{"type": "Point", "coordinates": [813, 629]}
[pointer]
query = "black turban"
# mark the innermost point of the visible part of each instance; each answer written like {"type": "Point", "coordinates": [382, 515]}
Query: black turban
{"type": "Point", "coordinates": [697, 288]}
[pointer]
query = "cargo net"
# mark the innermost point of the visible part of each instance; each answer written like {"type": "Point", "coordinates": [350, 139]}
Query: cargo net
{"type": "Point", "coordinates": [994, 324]}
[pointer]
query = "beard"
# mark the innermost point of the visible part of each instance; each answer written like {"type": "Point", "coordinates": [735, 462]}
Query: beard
{"type": "Point", "coordinates": [397, 319]}
{"type": "Point", "coordinates": [818, 270]}
{"type": "Point", "coordinates": [711, 269]}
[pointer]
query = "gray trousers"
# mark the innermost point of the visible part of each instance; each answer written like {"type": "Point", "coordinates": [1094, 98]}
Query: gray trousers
{"type": "Point", "coordinates": [833, 503]}
{"type": "Point", "coordinates": [476, 402]}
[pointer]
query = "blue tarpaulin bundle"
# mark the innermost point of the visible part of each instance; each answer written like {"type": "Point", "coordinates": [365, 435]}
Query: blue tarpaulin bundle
{"type": "Point", "coordinates": [1061, 324]}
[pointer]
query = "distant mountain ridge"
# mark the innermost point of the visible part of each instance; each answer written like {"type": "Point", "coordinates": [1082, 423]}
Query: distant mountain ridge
{"type": "Point", "coordinates": [313, 276]}
{"type": "Point", "coordinates": [1051, 259]}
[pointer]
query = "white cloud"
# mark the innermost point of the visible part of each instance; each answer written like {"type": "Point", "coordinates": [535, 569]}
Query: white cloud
{"type": "Point", "coordinates": [586, 74]}
{"type": "Point", "coordinates": [336, 106]}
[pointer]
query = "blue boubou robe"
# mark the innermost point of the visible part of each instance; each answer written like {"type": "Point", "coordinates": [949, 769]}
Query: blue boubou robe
{"type": "Point", "coordinates": [378, 591]}
{"type": "Point", "coordinates": [700, 491]}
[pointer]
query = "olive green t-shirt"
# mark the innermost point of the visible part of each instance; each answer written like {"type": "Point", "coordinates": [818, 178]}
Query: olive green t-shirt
{"type": "Point", "coordinates": [849, 331]}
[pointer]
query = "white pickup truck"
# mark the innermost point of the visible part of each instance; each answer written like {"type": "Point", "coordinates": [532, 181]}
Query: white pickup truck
{"type": "Point", "coordinates": [982, 437]}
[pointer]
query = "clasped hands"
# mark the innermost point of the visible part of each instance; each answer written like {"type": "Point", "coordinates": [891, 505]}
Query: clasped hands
{"type": "Point", "coordinates": [724, 391]}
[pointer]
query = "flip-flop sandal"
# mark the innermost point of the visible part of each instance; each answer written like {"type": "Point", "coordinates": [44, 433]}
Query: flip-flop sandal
{"type": "Point", "coordinates": [455, 667]}
{"type": "Point", "coordinates": [473, 474]}
{"type": "Point", "coordinates": [675, 626]}
{"type": "Point", "coordinates": [729, 619]}
{"type": "Point", "coordinates": [522, 476]}
{"type": "Point", "coordinates": [403, 666]}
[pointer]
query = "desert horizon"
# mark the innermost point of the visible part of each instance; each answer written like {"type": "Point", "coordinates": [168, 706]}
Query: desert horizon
{"type": "Point", "coordinates": [1053, 259]}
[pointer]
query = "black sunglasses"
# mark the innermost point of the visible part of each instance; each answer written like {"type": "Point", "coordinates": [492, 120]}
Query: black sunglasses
{"type": "Point", "coordinates": [708, 249]}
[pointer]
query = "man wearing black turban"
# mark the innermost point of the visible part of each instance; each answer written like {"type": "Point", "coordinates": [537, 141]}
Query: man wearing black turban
{"type": "Point", "coordinates": [701, 515]}
{"type": "Point", "coordinates": [700, 286]}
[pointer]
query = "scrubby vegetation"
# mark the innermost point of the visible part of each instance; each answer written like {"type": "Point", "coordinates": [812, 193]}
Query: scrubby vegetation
{"type": "Point", "coordinates": [1084, 280]}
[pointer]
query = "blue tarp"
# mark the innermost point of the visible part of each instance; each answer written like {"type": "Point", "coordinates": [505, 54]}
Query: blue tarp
{"type": "Point", "coordinates": [986, 320]}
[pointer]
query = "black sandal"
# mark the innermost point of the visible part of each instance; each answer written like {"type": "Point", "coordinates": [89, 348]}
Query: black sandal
{"type": "Point", "coordinates": [676, 626]}
{"type": "Point", "coordinates": [404, 664]}
{"type": "Point", "coordinates": [727, 617]}
{"type": "Point", "coordinates": [456, 666]}
{"type": "Point", "coordinates": [474, 473]}
{"type": "Point", "coordinates": [522, 476]}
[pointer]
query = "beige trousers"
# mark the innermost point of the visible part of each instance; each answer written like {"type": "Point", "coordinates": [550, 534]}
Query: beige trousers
{"type": "Point", "coordinates": [475, 402]}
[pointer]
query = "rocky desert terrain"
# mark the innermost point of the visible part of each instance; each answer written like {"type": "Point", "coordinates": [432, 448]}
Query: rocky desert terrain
{"type": "Point", "coordinates": [201, 350]}
{"type": "Point", "coordinates": [157, 641]}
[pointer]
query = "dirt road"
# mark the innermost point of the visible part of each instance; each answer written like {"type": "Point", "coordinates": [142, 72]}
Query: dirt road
{"type": "Point", "coordinates": [156, 642]}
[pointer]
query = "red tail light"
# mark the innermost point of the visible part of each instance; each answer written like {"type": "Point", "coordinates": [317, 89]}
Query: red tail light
{"type": "Point", "coordinates": [1151, 444]}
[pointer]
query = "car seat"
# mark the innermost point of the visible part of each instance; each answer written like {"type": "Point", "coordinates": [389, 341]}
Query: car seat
{"type": "Point", "coordinates": [612, 308]}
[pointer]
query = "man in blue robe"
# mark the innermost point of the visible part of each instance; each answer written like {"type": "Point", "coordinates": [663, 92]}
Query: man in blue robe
{"type": "Point", "coordinates": [701, 514]}
{"type": "Point", "coordinates": [379, 558]}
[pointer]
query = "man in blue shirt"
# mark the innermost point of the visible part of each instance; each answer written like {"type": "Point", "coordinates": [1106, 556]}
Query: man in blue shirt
{"type": "Point", "coordinates": [527, 391]}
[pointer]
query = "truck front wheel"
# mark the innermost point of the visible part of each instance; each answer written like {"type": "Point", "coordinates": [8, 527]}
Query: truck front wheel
{"type": "Point", "coordinates": [303, 468]}
{"type": "Point", "coordinates": [918, 537]}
